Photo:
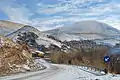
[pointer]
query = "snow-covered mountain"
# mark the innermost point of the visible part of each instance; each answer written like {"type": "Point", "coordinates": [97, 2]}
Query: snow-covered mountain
{"type": "Point", "coordinates": [79, 31]}
{"type": "Point", "coordinates": [84, 30]}
{"type": "Point", "coordinates": [11, 30]}
{"type": "Point", "coordinates": [42, 38]}
{"type": "Point", "coordinates": [7, 27]}
{"type": "Point", "coordinates": [26, 28]}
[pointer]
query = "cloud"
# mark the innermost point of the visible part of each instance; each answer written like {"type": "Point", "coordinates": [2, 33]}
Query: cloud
{"type": "Point", "coordinates": [112, 21]}
{"type": "Point", "coordinates": [100, 10]}
{"type": "Point", "coordinates": [64, 12]}
{"type": "Point", "coordinates": [50, 11]}
{"type": "Point", "coordinates": [79, 8]}
{"type": "Point", "coordinates": [16, 12]}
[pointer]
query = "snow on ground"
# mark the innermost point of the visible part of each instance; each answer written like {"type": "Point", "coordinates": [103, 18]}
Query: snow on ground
{"type": "Point", "coordinates": [75, 73]}
{"type": "Point", "coordinates": [46, 41]}
{"type": "Point", "coordinates": [108, 77]}
{"type": "Point", "coordinates": [43, 62]}
{"type": "Point", "coordinates": [71, 73]}
{"type": "Point", "coordinates": [60, 72]}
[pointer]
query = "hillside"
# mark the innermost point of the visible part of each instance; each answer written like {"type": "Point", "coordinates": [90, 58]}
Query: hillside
{"type": "Point", "coordinates": [41, 40]}
{"type": "Point", "coordinates": [84, 30]}
{"type": "Point", "coordinates": [7, 27]}
{"type": "Point", "coordinates": [15, 58]}
{"type": "Point", "coordinates": [25, 28]}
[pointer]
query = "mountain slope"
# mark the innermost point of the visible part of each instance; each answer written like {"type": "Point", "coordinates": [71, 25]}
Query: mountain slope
{"type": "Point", "coordinates": [84, 30]}
{"type": "Point", "coordinates": [25, 28]}
{"type": "Point", "coordinates": [7, 27]}
{"type": "Point", "coordinates": [42, 38]}
{"type": "Point", "coordinates": [90, 26]}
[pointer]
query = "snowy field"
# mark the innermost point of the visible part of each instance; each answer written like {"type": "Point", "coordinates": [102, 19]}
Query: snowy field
{"type": "Point", "coordinates": [61, 72]}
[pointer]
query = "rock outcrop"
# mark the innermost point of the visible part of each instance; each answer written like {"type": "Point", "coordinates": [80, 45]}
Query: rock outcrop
{"type": "Point", "coordinates": [15, 58]}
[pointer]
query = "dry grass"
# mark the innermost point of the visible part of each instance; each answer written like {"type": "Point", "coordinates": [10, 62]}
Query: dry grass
{"type": "Point", "coordinates": [92, 58]}
{"type": "Point", "coordinates": [10, 25]}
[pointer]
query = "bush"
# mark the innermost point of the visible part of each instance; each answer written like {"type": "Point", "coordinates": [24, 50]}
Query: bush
{"type": "Point", "coordinates": [92, 58]}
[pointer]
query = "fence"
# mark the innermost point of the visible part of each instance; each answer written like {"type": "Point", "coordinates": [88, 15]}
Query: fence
{"type": "Point", "coordinates": [94, 70]}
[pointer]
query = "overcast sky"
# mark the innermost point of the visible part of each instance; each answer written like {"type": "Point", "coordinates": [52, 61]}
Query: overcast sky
{"type": "Point", "coordinates": [48, 14]}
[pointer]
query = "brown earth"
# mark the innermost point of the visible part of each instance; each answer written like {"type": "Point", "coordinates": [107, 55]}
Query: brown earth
{"type": "Point", "coordinates": [10, 25]}
{"type": "Point", "coordinates": [14, 57]}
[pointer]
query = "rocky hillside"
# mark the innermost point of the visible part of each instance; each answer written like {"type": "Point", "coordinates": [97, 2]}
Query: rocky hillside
{"type": "Point", "coordinates": [15, 58]}
{"type": "Point", "coordinates": [42, 39]}
{"type": "Point", "coordinates": [24, 29]}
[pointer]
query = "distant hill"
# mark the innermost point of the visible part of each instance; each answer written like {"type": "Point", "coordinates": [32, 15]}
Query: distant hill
{"type": "Point", "coordinates": [84, 30]}
{"type": "Point", "coordinates": [12, 33]}
{"type": "Point", "coordinates": [25, 28]}
{"type": "Point", "coordinates": [7, 27]}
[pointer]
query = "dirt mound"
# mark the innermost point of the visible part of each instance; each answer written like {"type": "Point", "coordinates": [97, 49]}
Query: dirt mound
{"type": "Point", "coordinates": [15, 58]}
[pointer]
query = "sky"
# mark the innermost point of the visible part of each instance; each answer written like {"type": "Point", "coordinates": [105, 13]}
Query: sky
{"type": "Point", "coordinates": [50, 14]}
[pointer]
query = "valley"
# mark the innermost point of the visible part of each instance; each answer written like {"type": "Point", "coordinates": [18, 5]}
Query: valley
{"type": "Point", "coordinates": [82, 46]}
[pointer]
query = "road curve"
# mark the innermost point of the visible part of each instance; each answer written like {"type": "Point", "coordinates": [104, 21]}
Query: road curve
{"type": "Point", "coordinates": [53, 72]}
{"type": "Point", "coordinates": [38, 75]}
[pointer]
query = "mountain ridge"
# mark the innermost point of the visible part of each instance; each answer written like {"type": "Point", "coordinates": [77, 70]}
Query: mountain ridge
{"type": "Point", "coordinates": [7, 27]}
{"type": "Point", "coordinates": [84, 30]}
